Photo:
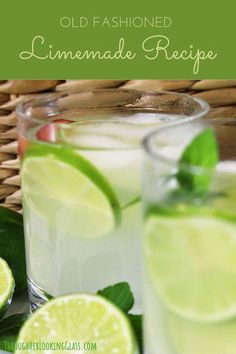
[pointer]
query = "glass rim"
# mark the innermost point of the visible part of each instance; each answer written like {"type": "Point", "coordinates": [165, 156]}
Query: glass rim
{"type": "Point", "coordinates": [156, 155]}
{"type": "Point", "coordinates": [44, 98]}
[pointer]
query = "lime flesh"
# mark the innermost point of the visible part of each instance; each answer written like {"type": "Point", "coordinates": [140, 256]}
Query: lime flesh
{"type": "Point", "coordinates": [6, 285]}
{"type": "Point", "coordinates": [80, 318]}
{"type": "Point", "coordinates": [68, 192]}
{"type": "Point", "coordinates": [202, 338]}
{"type": "Point", "coordinates": [192, 265]}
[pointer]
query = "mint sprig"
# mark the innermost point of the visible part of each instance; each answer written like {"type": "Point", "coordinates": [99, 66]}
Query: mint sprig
{"type": "Point", "coordinates": [198, 162]}
{"type": "Point", "coordinates": [12, 247]}
{"type": "Point", "coordinates": [119, 294]}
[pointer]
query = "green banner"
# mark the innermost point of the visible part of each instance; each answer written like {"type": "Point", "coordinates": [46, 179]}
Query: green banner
{"type": "Point", "coordinates": [123, 39]}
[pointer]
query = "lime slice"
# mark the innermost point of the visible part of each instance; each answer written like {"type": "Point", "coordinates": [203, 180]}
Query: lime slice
{"type": "Point", "coordinates": [224, 188]}
{"type": "Point", "coordinates": [68, 192]}
{"type": "Point", "coordinates": [114, 148]}
{"type": "Point", "coordinates": [122, 168]}
{"type": "Point", "coordinates": [89, 320]}
{"type": "Point", "coordinates": [192, 264]}
{"type": "Point", "coordinates": [6, 285]}
{"type": "Point", "coordinates": [202, 338]}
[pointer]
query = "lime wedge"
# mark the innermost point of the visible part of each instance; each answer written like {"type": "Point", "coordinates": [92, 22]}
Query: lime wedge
{"type": "Point", "coordinates": [202, 338]}
{"type": "Point", "coordinates": [7, 285]}
{"type": "Point", "coordinates": [68, 192]}
{"type": "Point", "coordinates": [192, 264]}
{"type": "Point", "coordinates": [89, 320]}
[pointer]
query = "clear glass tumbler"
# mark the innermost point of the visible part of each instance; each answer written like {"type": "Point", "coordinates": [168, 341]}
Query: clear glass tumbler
{"type": "Point", "coordinates": [189, 187]}
{"type": "Point", "coordinates": [81, 161]}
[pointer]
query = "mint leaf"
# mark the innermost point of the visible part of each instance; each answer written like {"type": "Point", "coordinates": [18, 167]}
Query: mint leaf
{"type": "Point", "coordinates": [119, 294]}
{"type": "Point", "coordinates": [202, 152]}
{"type": "Point", "coordinates": [9, 329]}
{"type": "Point", "coordinates": [136, 323]}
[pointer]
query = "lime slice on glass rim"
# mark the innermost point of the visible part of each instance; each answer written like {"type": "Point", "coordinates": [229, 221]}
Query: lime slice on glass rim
{"type": "Point", "coordinates": [67, 191]}
{"type": "Point", "coordinates": [85, 319]}
{"type": "Point", "coordinates": [191, 261]}
{"type": "Point", "coordinates": [7, 285]}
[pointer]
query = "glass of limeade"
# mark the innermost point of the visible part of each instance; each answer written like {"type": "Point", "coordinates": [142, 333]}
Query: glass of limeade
{"type": "Point", "coordinates": [81, 161]}
{"type": "Point", "coordinates": [190, 238]}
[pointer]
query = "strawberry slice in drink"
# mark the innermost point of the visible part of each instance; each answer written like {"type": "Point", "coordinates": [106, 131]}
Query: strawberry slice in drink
{"type": "Point", "coordinates": [45, 133]}
{"type": "Point", "coordinates": [48, 131]}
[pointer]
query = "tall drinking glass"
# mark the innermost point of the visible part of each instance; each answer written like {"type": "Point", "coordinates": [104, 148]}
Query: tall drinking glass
{"type": "Point", "coordinates": [190, 238]}
{"type": "Point", "coordinates": [80, 175]}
